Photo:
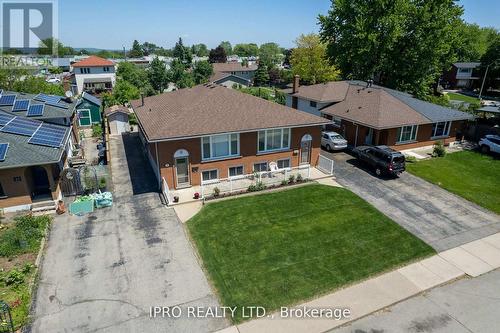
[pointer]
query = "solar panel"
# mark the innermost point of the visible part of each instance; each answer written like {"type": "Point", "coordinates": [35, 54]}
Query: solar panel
{"type": "Point", "coordinates": [1, 91]}
{"type": "Point", "coordinates": [5, 118]}
{"type": "Point", "coordinates": [3, 151]}
{"type": "Point", "coordinates": [21, 105]}
{"type": "Point", "coordinates": [49, 99]}
{"type": "Point", "coordinates": [6, 100]}
{"type": "Point", "coordinates": [21, 126]}
{"type": "Point", "coordinates": [35, 110]}
{"type": "Point", "coordinates": [49, 135]}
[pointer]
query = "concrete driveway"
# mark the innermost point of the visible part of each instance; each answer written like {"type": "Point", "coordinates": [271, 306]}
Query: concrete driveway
{"type": "Point", "coordinates": [102, 272]}
{"type": "Point", "coordinates": [437, 216]}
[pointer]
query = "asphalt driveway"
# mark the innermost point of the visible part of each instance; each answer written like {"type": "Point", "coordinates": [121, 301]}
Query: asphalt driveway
{"type": "Point", "coordinates": [103, 271]}
{"type": "Point", "coordinates": [438, 217]}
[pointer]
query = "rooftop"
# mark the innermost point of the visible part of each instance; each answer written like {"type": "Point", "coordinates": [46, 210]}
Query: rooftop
{"type": "Point", "coordinates": [233, 67]}
{"type": "Point", "coordinates": [211, 109]}
{"type": "Point", "coordinates": [327, 92]}
{"type": "Point", "coordinates": [62, 109]}
{"type": "Point", "coordinates": [93, 61]}
{"type": "Point", "coordinates": [467, 64]}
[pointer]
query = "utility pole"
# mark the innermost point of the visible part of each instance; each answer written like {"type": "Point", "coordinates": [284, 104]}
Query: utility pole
{"type": "Point", "coordinates": [484, 79]}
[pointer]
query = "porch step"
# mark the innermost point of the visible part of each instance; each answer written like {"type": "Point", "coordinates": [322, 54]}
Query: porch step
{"type": "Point", "coordinates": [43, 207]}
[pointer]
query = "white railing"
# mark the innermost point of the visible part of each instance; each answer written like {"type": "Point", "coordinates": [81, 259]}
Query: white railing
{"type": "Point", "coordinates": [266, 178]}
{"type": "Point", "coordinates": [166, 191]}
{"type": "Point", "coordinates": [325, 165]}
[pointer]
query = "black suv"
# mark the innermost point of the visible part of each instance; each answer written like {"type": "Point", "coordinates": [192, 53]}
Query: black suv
{"type": "Point", "coordinates": [382, 159]}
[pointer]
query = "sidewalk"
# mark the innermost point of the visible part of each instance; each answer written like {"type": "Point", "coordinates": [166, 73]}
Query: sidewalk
{"type": "Point", "coordinates": [471, 259]}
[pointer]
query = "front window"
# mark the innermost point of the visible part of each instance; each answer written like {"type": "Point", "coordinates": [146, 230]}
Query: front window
{"type": "Point", "coordinates": [260, 167]}
{"type": "Point", "coordinates": [274, 139]}
{"type": "Point", "coordinates": [464, 70]}
{"type": "Point", "coordinates": [441, 129]}
{"type": "Point", "coordinates": [210, 175]}
{"type": "Point", "coordinates": [407, 133]}
{"type": "Point", "coordinates": [236, 171]}
{"type": "Point", "coordinates": [283, 164]}
{"type": "Point", "coordinates": [313, 104]}
{"type": "Point", "coordinates": [220, 146]}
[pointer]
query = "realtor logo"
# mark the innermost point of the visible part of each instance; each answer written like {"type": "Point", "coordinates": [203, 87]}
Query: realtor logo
{"type": "Point", "coordinates": [28, 25]}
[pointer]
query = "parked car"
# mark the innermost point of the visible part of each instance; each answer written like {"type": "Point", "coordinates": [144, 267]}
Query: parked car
{"type": "Point", "coordinates": [53, 80]}
{"type": "Point", "coordinates": [490, 144]}
{"type": "Point", "coordinates": [382, 159]}
{"type": "Point", "coordinates": [333, 141]}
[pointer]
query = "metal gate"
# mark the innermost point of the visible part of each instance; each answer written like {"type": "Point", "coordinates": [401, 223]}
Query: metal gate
{"type": "Point", "coordinates": [6, 324]}
{"type": "Point", "coordinates": [70, 182]}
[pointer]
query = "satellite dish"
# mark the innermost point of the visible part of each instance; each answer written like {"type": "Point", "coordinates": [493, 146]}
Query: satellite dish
{"type": "Point", "coordinates": [68, 94]}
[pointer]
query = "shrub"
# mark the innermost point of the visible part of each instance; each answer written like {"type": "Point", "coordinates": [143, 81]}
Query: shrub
{"type": "Point", "coordinates": [410, 159]}
{"type": "Point", "coordinates": [96, 130]}
{"type": "Point", "coordinates": [216, 192]}
{"type": "Point", "coordinates": [439, 149]}
{"type": "Point", "coordinates": [252, 188]}
{"type": "Point", "coordinates": [23, 236]}
{"type": "Point", "coordinates": [284, 182]}
{"type": "Point", "coordinates": [102, 182]}
{"type": "Point", "coordinates": [291, 179]}
{"type": "Point", "coordinates": [260, 186]}
{"type": "Point", "coordinates": [299, 178]}
{"type": "Point", "coordinates": [13, 278]}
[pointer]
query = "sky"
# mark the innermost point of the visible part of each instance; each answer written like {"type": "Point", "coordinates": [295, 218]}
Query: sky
{"type": "Point", "coordinates": [113, 24]}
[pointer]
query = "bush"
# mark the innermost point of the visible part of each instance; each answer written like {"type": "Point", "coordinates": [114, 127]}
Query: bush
{"type": "Point", "coordinates": [216, 192]}
{"type": "Point", "coordinates": [284, 182]}
{"type": "Point", "coordinates": [23, 236]}
{"type": "Point", "coordinates": [252, 188]}
{"type": "Point", "coordinates": [439, 149]}
{"type": "Point", "coordinates": [410, 159]}
{"type": "Point", "coordinates": [260, 186]}
{"type": "Point", "coordinates": [97, 130]}
{"type": "Point", "coordinates": [291, 179]}
{"type": "Point", "coordinates": [102, 182]}
{"type": "Point", "coordinates": [13, 278]}
{"type": "Point", "coordinates": [299, 178]}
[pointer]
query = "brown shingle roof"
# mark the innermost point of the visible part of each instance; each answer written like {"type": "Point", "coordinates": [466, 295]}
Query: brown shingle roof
{"type": "Point", "coordinates": [327, 92]}
{"type": "Point", "coordinates": [210, 109]}
{"type": "Point", "coordinates": [116, 108]}
{"type": "Point", "coordinates": [93, 61]}
{"type": "Point", "coordinates": [375, 107]}
{"type": "Point", "coordinates": [233, 67]}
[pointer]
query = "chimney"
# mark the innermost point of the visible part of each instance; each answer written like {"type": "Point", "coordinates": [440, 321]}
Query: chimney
{"type": "Point", "coordinates": [296, 84]}
{"type": "Point", "coordinates": [142, 99]}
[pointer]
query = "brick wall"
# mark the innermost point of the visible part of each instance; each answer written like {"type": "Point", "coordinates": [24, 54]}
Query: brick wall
{"type": "Point", "coordinates": [248, 152]}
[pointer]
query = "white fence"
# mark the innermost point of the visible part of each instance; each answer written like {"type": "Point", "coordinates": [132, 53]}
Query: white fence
{"type": "Point", "coordinates": [325, 165]}
{"type": "Point", "coordinates": [243, 182]}
{"type": "Point", "coordinates": [166, 191]}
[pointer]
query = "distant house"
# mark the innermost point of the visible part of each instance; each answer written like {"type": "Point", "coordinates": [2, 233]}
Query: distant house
{"type": "Point", "coordinates": [37, 135]}
{"type": "Point", "coordinates": [231, 73]}
{"type": "Point", "coordinates": [374, 115]}
{"type": "Point", "coordinates": [205, 133]}
{"type": "Point", "coordinates": [462, 75]}
{"type": "Point", "coordinates": [93, 75]}
{"type": "Point", "coordinates": [89, 110]}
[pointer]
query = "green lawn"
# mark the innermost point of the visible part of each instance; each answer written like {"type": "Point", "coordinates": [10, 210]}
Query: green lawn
{"type": "Point", "coordinates": [463, 98]}
{"type": "Point", "coordinates": [472, 175]}
{"type": "Point", "coordinates": [285, 247]}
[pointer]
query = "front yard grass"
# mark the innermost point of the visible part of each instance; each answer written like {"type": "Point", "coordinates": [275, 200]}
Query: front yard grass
{"type": "Point", "coordinates": [462, 98]}
{"type": "Point", "coordinates": [19, 245]}
{"type": "Point", "coordinates": [469, 174]}
{"type": "Point", "coordinates": [282, 248]}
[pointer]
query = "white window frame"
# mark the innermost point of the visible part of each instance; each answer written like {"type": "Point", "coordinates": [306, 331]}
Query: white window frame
{"type": "Point", "coordinates": [447, 127]}
{"type": "Point", "coordinates": [210, 181]}
{"type": "Point", "coordinates": [281, 140]}
{"type": "Point", "coordinates": [212, 158]}
{"type": "Point", "coordinates": [285, 159]}
{"type": "Point", "coordinates": [267, 166]}
{"type": "Point", "coordinates": [413, 135]}
{"type": "Point", "coordinates": [237, 176]}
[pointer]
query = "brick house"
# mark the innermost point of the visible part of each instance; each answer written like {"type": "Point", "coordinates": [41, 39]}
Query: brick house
{"type": "Point", "coordinates": [209, 132]}
{"type": "Point", "coordinates": [374, 115]}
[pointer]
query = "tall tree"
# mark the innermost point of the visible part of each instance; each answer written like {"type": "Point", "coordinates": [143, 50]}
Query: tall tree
{"type": "Point", "coordinates": [403, 44]}
{"type": "Point", "coordinates": [261, 77]}
{"type": "Point", "coordinates": [49, 45]}
{"type": "Point", "coordinates": [182, 52]}
{"type": "Point", "coordinates": [136, 51]}
{"type": "Point", "coordinates": [246, 50]}
{"type": "Point", "coordinates": [202, 71]}
{"type": "Point", "coordinates": [474, 41]}
{"type": "Point", "coordinates": [217, 55]}
{"type": "Point", "coordinates": [200, 50]}
{"type": "Point", "coordinates": [270, 54]}
{"type": "Point", "coordinates": [226, 45]}
{"type": "Point", "coordinates": [178, 75]}
{"type": "Point", "coordinates": [309, 60]}
{"type": "Point", "coordinates": [158, 75]}
{"type": "Point", "coordinates": [491, 60]}
{"type": "Point", "coordinates": [135, 75]}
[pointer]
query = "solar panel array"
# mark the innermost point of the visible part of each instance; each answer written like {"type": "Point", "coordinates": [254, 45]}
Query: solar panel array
{"type": "Point", "coordinates": [35, 110]}
{"type": "Point", "coordinates": [51, 100]}
{"type": "Point", "coordinates": [21, 105]}
{"type": "Point", "coordinates": [5, 118]}
{"type": "Point", "coordinates": [49, 135]}
{"type": "Point", "coordinates": [21, 126]}
{"type": "Point", "coordinates": [3, 151]}
{"type": "Point", "coordinates": [7, 100]}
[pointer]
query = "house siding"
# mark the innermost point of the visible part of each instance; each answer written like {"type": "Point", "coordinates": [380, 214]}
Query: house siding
{"type": "Point", "coordinates": [248, 152]}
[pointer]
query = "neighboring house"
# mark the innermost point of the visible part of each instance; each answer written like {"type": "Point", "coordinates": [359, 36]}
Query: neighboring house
{"type": "Point", "coordinates": [117, 119]}
{"type": "Point", "coordinates": [367, 114]}
{"type": "Point", "coordinates": [209, 132]}
{"type": "Point", "coordinates": [89, 110]}
{"type": "Point", "coordinates": [94, 75]}
{"type": "Point", "coordinates": [33, 148]}
{"type": "Point", "coordinates": [462, 75]}
{"type": "Point", "coordinates": [230, 73]}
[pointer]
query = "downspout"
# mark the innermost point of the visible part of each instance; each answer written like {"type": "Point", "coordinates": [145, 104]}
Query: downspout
{"type": "Point", "coordinates": [356, 138]}
{"type": "Point", "coordinates": [158, 166]}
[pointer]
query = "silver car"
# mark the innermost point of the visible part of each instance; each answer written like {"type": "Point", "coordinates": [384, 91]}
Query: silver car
{"type": "Point", "coordinates": [333, 141]}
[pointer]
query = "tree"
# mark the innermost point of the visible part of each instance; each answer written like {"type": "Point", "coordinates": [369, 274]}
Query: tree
{"type": "Point", "coordinates": [124, 91]}
{"type": "Point", "coordinates": [202, 71]}
{"type": "Point", "coordinates": [182, 52]}
{"type": "Point", "coordinates": [49, 45]}
{"type": "Point", "coordinates": [309, 60]}
{"type": "Point", "coordinates": [246, 50]}
{"type": "Point", "coordinates": [474, 41]}
{"type": "Point", "coordinates": [492, 58]}
{"type": "Point", "coordinates": [35, 85]}
{"type": "Point", "coordinates": [270, 54]}
{"type": "Point", "coordinates": [217, 55]}
{"type": "Point", "coordinates": [157, 75]}
{"type": "Point", "coordinates": [261, 76]}
{"type": "Point", "coordinates": [274, 76]}
{"type": "Point", "coordinates": [401, 44]}
{"type": "Point", "coordinates": [136, 76]}
{"type": "Point", "coordinates": [178, 75]}
{"type": "Point", "coordinates": [200, 50]}
{"type": "Point", "coordinates": [136, 51]}
{"type": "Point", "coordinates": [227, 47]}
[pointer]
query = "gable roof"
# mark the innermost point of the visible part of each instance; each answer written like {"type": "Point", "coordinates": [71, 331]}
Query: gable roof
{"type": "Point", "coordinates": [233, 67]}
{"type": "Point", "coordinates": [116, 108]}
{"type": "Point", "coordinates": [219, 77]}
{"type": "Point", "coordinates": [327, 92]}
{"type": "Point", "coordinates": [50, 111]}
{"type": "Point", "coordinates": [381, 108]}
{"type": "Point", "coordinates": [92, 99]}
{"type": "Point", "coordinates": [93, 61]}
{"type": "Point", "coordinates": [211, 109]}
{"type": "Point", "coordinates": [467, 64]}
